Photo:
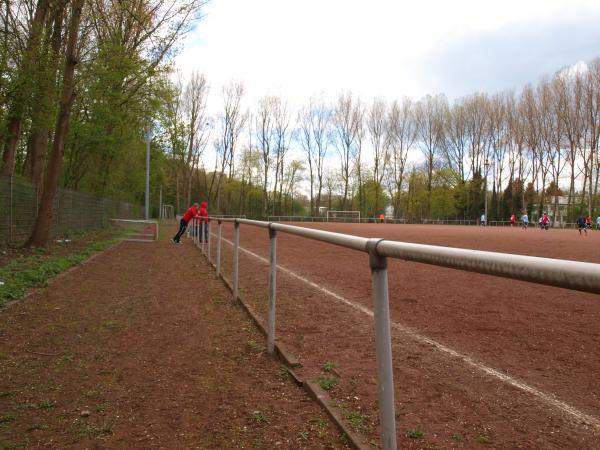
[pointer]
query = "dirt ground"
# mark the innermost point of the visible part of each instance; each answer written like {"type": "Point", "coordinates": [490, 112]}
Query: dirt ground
{"type": "Point", "coordinates": [479, 361]}
{"type": "Point", "coordinates": [140, 348]}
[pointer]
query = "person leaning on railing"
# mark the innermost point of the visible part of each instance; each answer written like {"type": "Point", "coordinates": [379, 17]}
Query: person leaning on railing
{"type": "Point", "coordinates": [183, 223]}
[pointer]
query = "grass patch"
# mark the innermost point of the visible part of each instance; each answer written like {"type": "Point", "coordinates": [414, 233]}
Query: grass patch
{"type": "Point", "coordinates": [356, 419]}
{"type": "Point", "coordinates": [326, 383]}
{"type": "Point", "coordinates": [258, 417]}
{"type": "Point", "coordinates": [46, 404]}
{"type": "Point", "coordinates": [414, 434]}
{"type": "Point", "coordinates": [35, 270]}
{"type": "Point", "coordinates": [328, 366]}
{"type": "Point", "coordinates": [7, 418]}
{"type": "Point", "coordinates": [482, 439]}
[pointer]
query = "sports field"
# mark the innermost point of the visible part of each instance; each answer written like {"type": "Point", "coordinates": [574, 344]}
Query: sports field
{"type": "Point", "coordinates": [478, 360]}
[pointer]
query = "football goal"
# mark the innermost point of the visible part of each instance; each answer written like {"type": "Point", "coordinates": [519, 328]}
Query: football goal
{"type": "Point", "coordinates": [343, 216]}
{"type": "Point", "coordinates": [137, 230]}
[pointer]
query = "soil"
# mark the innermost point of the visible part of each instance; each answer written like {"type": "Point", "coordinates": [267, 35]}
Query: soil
{"type": "Point", "coordinates": [544, 337]}
{"type": "Point", "coordinates": [141, 348]}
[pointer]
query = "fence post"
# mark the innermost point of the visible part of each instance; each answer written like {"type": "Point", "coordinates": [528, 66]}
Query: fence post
{"type": "Point", "coordinates": [236, 246]}
{"type": "Point", "coordinates": [208, 240]}
{"type": "Point", "coordinates": [272, 290]}
{"type": "Point", "coordinates": [218, 265]}
{"type": "Point", "coordinates": [383, 346]}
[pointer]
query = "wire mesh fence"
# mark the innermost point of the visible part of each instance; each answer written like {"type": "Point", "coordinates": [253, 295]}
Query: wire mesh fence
{"type": "Point", "coordinates": [72, 210]}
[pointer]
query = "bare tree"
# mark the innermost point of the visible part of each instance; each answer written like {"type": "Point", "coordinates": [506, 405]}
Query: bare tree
{"type": "Point", "coordinates": [429, 116]}
{"type": "Point", "coordinates": [380, 137]}
{"type": "Point", "coordinates": [402, 135]}
{"type": "Point", "coordinates": [264, 129]}
{"type": "Point", "coordinates": [347, 121]}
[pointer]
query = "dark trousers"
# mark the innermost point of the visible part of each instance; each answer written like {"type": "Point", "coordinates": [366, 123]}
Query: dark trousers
{"type": "Point", "coordinates": [182, 227]}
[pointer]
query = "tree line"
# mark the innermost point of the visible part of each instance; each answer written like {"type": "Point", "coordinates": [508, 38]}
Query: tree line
{"type": "Point", "coordinates": [83, 81]}
{"type": "Point", "coordinates": [523, 150]}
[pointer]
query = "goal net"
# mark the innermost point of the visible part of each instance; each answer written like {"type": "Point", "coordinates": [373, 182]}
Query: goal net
{"type": "Point", "coordinates": [137, 230]}
{"type": "Point", "coordinates": [343, 216]}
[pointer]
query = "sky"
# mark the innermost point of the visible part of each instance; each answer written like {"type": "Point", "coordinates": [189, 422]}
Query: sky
{"type": "Point", "coordinates": [384, 48]}
{"type": "Point", "coordinates": [387, 49]}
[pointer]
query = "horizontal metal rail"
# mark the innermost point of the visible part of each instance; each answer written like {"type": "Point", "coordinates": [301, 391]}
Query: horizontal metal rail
{"type": "Point", "coordinates": [580, 276]}
{"type": "Point", "coordinates": [554, 272]}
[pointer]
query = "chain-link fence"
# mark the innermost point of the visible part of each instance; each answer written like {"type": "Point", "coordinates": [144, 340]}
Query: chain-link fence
{"type": "Point", "coordinates": [72, 210]}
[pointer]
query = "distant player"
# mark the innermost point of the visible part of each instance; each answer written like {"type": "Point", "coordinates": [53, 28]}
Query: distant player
{"type": "Point", "coordinates": [524, 221]}
{"type": "Point", "coordinates": [598, 223]}
{"type": "Point", "coordinates": [581, 225]}
{"type": "Point", "coordinates": [482, 220]}
{"type": "Point", "coordinates": [183, 223]}
{"type": "Point", "coordinates": [545, 222]}
{"type": "Point", "coordinates": [513, 220]}
{"type": "Point", "coordinates": [588, 222]}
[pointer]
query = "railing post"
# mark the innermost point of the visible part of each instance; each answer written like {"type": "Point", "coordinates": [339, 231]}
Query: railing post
{"type": "Point", "coordinates": [272, 290]}
{"type": "Point", "coordinates": [383, 346]}
{"type": "Point", "coordinates": [201, 237]}
{"type": "Point", "coordinates": [208, 240]}
{"type": "Point", "coordinates": [236, 253]}
{"type": "Point", "coordinates": [218, 265]}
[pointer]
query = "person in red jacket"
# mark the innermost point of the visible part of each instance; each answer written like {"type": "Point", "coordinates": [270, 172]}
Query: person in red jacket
{"type": "Point", "coordinates": [183, 223]}
{"type": "Point", "coordinates": [203, 215]}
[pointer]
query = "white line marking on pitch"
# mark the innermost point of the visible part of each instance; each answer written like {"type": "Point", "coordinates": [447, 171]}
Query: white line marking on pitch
{"type": "Point", "coordinates": [546, 398]}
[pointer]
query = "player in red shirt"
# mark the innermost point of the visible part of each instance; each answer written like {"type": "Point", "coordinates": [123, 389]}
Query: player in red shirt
{"type": "Point", "coordinates": [203, 215]}
{"type": "Point", "coordinates": [183, 223]}
{"type": "Point", "coordinates": [545, 222]}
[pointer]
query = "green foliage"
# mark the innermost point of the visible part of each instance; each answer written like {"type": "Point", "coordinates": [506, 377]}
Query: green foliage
{"type": "Point", "coordinates": [373, 197]}
{"type": "Point", "coordinates": [414, 434]}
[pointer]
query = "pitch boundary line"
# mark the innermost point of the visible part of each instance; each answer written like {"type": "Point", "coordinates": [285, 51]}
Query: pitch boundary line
{"type": "Point", "coordinates": [549, 399]}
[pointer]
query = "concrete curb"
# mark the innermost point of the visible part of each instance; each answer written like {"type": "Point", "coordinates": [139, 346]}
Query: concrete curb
{"type": "Point", "coordinates": [314, 390]}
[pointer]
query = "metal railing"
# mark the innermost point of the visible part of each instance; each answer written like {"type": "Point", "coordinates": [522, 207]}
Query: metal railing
{"type": "Point", "coordinates": [574, 275]}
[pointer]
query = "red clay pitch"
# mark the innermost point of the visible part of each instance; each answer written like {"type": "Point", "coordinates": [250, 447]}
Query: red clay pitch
{"type": "Point", "coordinates": [478, 360]}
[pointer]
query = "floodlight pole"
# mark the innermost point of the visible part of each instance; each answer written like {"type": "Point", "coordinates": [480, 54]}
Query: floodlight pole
{"type": "Point", "coordinates": [148, 139]}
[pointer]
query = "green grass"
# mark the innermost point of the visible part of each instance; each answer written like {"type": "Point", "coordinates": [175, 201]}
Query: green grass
{"type": "Point", "coordinates": [46, 404]}
{"type": "Point", "coordinates": [414, 434]}
{"type": "Point", "coordinates": [34, 271]}
{"type": "Point", "coordinates": [326, 383]}
{"type": "Point", "coordinates": [328, 366]}
{"type": "Point", "coordinates": [356, 419]}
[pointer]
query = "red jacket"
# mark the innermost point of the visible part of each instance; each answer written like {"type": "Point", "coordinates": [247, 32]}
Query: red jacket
{"type": "Point", "coordinates": [202, 213]}
{"type": "Point", "coordinates": [191, 212]}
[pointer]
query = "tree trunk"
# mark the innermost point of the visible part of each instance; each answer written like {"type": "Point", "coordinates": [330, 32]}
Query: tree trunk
{"type": "Point", "coordinates": [40, 129]}
{"type": "Point", "coordinates": [41, 230]}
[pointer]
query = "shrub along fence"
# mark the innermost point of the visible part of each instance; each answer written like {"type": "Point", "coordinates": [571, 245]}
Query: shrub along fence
{"type": "Point", "coordinates": [19, 200]}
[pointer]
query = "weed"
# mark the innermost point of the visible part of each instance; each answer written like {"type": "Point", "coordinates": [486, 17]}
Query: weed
{"type": "Point", "coordinates": [258, 417]}
{"type": "Point", "coordinates": [46, 404]}
{"type": "Point", "coordinates": [303, 435]}
{"type": "Point", "coordinates": [4, 445]}
{"type": "Point", "coordinates": [482, 439]}
{"type": "Point", "coordinates": [326, 383]}
{"type": "Point", "coordinates": [5, 394]}
{"type": "Point", "coordinates": [6, 418]}
{"type": "Point", "coordinates": [111, 324]}
{"type": "Point", "coordinates": [356, 419]}
{"type": "Point", "coordinates": [457, 437]}
{"type": "Point", "coordinates": [252, 346]}
{"type": "Point", "coordinates": [36, 427]}
{"type": "Point", "coordinates": [414, 434]}
{"type": "Point", "coordinates": [283, 373]}
{"type": "Point", "coordinates": [328, 366]}
{"type": "Point", "coordinates": [3, 356]}
{"type": "Point", "coordinates": [344, 440]}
